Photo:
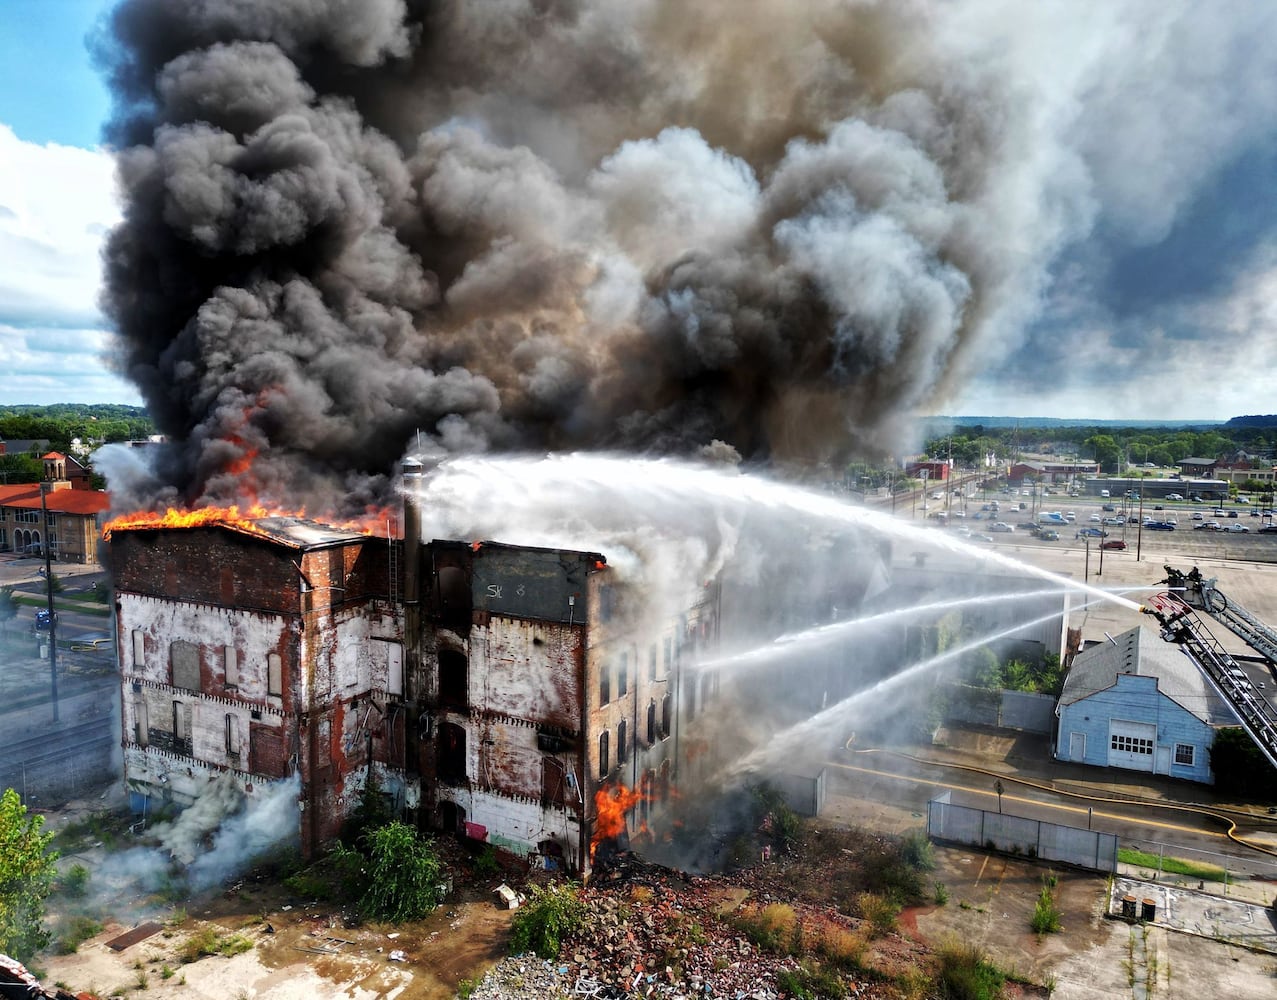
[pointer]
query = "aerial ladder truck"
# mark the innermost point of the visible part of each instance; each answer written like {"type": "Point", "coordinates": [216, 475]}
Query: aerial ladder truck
{"type": "Point", "coordinates": [1176, 612]}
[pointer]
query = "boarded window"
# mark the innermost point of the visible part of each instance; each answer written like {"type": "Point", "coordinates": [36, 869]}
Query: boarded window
{"type": "Point", "coordinates": [604, 764]}
{"type": "Point", "coordinates": [622, 743]}
{"type": "Point", "coordinates": [232, 734]}
{"type": "Point", "coordinates": [323, 743]}
{"type": "Point", "coordinates": [453, 683]}
{"type": "Point", "coordinates": [186, 664]}
{"type": "Point", "coordinates": [394, 669]}
{"type": "Point", "coordinates": [553, 782]}
{"type": "Point", "coordinates": [179, 721]}
{"type": "Point", "coordinates": [230, 664]}
{"type": "Point", "coordinates": [139, 648]}
{"type": "Point", "coordinates": [274, 674]}
{"type": "Point", "coordinates": [226, 584]}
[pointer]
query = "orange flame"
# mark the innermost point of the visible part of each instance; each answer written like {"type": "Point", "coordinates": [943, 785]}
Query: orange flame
{"type": "Point", "coordinates": [373, 522]}
{"type": "Point", "coordinates": [612, 803]}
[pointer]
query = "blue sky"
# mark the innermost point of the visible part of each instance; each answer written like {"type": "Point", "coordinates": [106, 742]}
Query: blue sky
{"type": "Point", "coordinates": [57, 201]}
{"type": "Point", "coordinates": [1161, 296]}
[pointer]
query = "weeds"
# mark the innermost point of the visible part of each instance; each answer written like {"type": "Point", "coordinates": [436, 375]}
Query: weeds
{"type": "Point", "coordinates": [771, 928]}
{"type": "Point", "coordinates": [486, 863]}
{"type": "Point", "coordinates": [811, 981]}
{"type": "Point", "coordinates": [1046, 914]}
{"type": "Point", "coordinates": [965, 973]}
{"type": "Point", "coordinates": [941, 894]}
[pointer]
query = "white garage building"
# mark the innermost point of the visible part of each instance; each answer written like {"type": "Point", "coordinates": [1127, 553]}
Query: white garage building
{"type": "Point", "coordinates": [1139, 703]}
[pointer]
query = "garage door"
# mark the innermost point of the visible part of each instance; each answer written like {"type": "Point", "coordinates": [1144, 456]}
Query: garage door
{"type": "Point", "coordinates": [1131, 745]}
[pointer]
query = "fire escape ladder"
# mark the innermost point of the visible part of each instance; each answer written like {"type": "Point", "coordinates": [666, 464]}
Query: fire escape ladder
{"type": "Point", "coordinates": [1182, 626]}
{"type": "Point", "coordinates": [393, 588]}
{"type": "Point", "coordinates": [1246, 626]}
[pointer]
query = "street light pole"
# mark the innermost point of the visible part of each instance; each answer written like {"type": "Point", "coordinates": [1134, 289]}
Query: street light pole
{"type": "Point", "coordinates": [48, 585]}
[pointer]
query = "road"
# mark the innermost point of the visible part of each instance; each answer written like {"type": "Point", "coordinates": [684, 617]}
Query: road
{"type": "Point", "coordinates": [909, 783]}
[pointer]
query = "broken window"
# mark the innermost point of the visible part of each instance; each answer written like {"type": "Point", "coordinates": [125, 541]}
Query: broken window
{"type": "Point", "coordinates": [623, 676]}
{"type": "Point", "coordinates": [185, 658]}
{"type": "Point", "coordinates": [232, 735]}
{"type": "Point", "coordinates": [453, 684]}
{"type": "Point", "coordinates": [140, 723]}
{"type": "Point", "coordinates": [452, 754]}
{"type": "Point", "coordinates": [274, 674]}
{"type": "Point", "coordinates": [605, 684]}
{"type": "Point", "coordinates": [230, 664]}
{"type": "Point", "coordinates": [651, 723]}
{"type": "Point", "coordinates": [554, 780]}
{"type": "Point", "coordinates": [666, 708]}
{"type": "Point", "coordinates": [622, 743]}
{"type": "Point", "coordinates": [139, 648]}
{"type": "Point", "coordinates": [604, 764]}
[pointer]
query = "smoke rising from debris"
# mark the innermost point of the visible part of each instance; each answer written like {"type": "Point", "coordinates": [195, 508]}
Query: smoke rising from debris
{"type": "Point", "coordinates": [212, 840]}
{"type": "Point", "coordinates": [555, 224]}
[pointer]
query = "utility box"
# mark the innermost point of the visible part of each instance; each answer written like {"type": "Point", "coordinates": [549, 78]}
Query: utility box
{"type": "Point", "coordinates": [803, 792]}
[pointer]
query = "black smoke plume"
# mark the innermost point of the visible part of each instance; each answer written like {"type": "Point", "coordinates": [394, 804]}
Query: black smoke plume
{"type": "Point", "coordinates": [551, 224]}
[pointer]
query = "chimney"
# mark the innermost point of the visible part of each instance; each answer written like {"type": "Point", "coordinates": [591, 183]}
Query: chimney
{"type": "Point", "coordinates": [412, 476]}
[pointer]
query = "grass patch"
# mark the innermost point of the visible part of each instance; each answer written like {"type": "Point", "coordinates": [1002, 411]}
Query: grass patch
{"type": "Point", "coordinates": [879, 912]}
{"type": "Point", "coordinates": [75, 933]}
{"type": "Point", "coordinates": [1173, 866]}
{"type": "Point", "coordinates": [811, 981]}
{"type": "Point", "coordinates": [1046, 915]}
{"type": "Point", "coordinates": [208, 942]}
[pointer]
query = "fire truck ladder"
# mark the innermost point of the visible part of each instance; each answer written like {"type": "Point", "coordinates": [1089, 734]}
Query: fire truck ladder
{"type": "Point", "coordinates": [1203, 595]}
{"type": "Point", "coordinates": [1181, 626]}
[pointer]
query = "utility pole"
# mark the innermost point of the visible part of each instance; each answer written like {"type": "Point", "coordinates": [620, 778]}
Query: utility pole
{"type": "Point", "coordinates": [48, 586]}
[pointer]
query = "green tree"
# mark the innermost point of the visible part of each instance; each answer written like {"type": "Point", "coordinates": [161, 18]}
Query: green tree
{"type": "Point", "coordinates": [402, 873]}
{"type": "Point", "coordinates": [1106, 450]}
{"type": "Point", "coordinates": [27, 871]}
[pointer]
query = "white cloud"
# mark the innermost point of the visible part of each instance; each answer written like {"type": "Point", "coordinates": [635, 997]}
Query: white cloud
{"type": "Point", "coordinates": [56, 205]}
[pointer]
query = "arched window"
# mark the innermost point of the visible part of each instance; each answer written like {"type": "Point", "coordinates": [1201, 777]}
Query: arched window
{"type": "Point", "coordinates": [604, 764]}
{"type": "Point", "coordinates": [666, 710]}
{"type": "Point", "coordinates": [651, 723]}
{"type": "Point", "coordinates": [622, 744]}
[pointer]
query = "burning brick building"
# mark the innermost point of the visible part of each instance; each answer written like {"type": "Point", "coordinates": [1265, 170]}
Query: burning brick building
{"type": "Point", "coordinates": [498, 691]}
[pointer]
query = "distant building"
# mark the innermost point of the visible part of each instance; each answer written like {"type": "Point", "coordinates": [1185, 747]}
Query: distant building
{"type": "Point", "coordinates": [24, 446]}
{"type": "Point", "coordinates": [74, 523]}
{"type": "Point", "coordinates": [1050, 472]}
{"type": "Point", "coordinates": [931, 471]}
{"type": "Point", "coordinates": [1138, 703]}
{"type": "Point", "coordinates": [1198, 468]}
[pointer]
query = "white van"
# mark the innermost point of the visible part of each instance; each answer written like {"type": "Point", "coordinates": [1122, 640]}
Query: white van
{"type": "Point", "coordinates": [1104, 493]}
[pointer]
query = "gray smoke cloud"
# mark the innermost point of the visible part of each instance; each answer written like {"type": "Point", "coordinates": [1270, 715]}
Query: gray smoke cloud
{"type": "Point", "coordinates": [631, 224]}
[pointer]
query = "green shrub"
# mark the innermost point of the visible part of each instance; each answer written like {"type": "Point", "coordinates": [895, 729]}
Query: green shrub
{"type": "Point", "coordinates": [917, 852]}
{"type": "Point", "coordinates": [880, 912]}
{"type": "Point", "coordinates": [551, 914]}
{"type": "Point", "coordinates": [942, 894]}
{"type": "Point", "coordinates": [486, 863]}
{"type": "Point", "coordinates": [966, 974]}
{"type": "Point", "coordinates": [811, 981]}
{"type": "Point", "coordinates": [207, 941]}
{"type": "Point", "coordinates": [402, 874]}
{"type": "Point", "coordinates": [75, 881]}
{"type": "Point", "coordinates": [77, 930]}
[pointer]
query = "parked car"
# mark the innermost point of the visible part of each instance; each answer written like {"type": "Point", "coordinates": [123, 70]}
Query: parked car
{"type": "Point", "coordinates": [1232, 513]}
{"type": "Point", "coordinates": [1237, 529]}
{"type": "Point", "coordinates": [1198, 516]}
{"type": "Point", "coordinates": [1049, 536]}
{"type": "Point", "coordinates": [1001, 526]}
{"type": "Point", "coordinates": [1095, 518]}
{"type": "Point", "coordinates": [1113, 543]}
{"type": "Point", "coordinates": [1160, 526]}
{"type": "Point", "coordinates": [1070, 516]}
{"type": "Point", "coordinates": [1132, 520]}
{"type": "Point", "coordinates": [1108, 507]}
{"type": "Point", "coordinates": [1113, 522]}
{"type": "Point", "coordinates": [1268, 529]}
{"type": "Point", "coordinates": [1093, 533]}
{"type": "Point", "coordinates": [1158, 506]}
{"type": "Point", "coordinates": [1174, 496]}
{"type": "Point", "coordinates": [981, 538]}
